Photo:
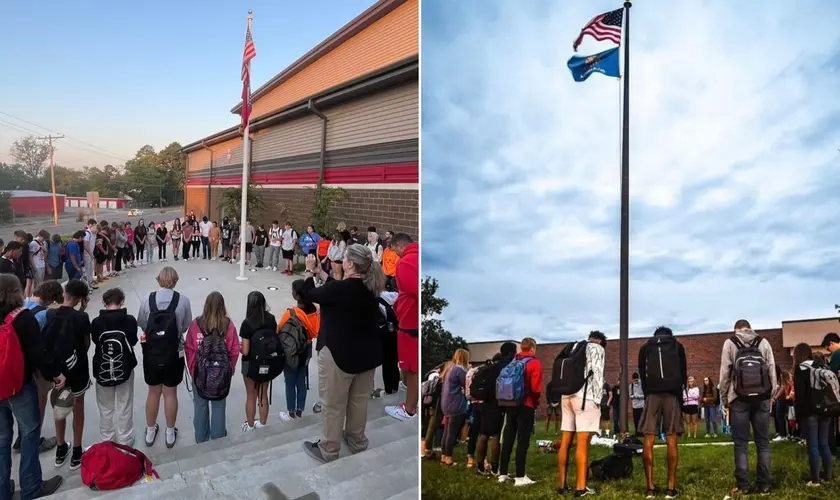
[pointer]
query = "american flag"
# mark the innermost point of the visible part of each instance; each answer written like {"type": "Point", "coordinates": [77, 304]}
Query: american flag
{"type": "Point", "coordinates": [603, 27]}
{"type": "Point", "coordinates": [249, 53]}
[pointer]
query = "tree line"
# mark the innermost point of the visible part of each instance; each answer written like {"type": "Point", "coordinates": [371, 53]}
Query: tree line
{"type": "Point", "coordinates": [437, 342]}
{"type": "Point", "coordinates": [150, 177]}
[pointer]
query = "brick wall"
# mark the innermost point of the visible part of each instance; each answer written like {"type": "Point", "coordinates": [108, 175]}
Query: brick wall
{"type": "Point", "coordinates": [702, 352]}
{"type": "Point", "coordinates": [395, 210]}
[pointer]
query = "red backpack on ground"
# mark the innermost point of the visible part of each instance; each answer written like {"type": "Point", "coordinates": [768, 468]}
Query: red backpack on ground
{"type": "Point", "coordinates": [111, 466]}
{"type": "Point", "coordinates": [11, 358]}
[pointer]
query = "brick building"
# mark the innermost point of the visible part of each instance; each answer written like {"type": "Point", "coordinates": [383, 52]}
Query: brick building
{"type": "Point", "coordinates": [346, 112]}
{"type": "Point", "coordinates": [703, 350]}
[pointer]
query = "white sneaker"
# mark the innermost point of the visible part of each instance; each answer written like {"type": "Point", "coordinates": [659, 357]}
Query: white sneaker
{"type": "Point", "coordinates": [403, 386]}
{"type": "Point", "coordinates": [523, 481]}
{"type": "Point", "coordinates": [258, 425]}
{"type": "Point", "coordinates": [399, 413]}
{"type": "Point", "coordinates": [503, 478]}
{"type": "Point", "coordinates": [214, 258]}
{"type": "Point", "coordinates": [778, 438]}
{"type": "Point", "coordinates": [246, 427]}
{"type": "Point", "coordinates": [284, 416]}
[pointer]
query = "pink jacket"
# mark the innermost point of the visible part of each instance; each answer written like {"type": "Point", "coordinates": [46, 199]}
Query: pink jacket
{"type": "Point", "coordinates": [194, 338]}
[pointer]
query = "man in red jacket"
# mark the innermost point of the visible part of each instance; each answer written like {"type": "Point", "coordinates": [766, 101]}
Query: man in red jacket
{"type": "Point", "coordinates": [519, 420]}
{"type": "Point", "coordinates": [408, 316]}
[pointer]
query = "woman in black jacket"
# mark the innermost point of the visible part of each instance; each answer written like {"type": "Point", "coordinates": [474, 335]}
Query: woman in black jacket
{"type": "Point", "coordinates": [814, 427]}
{"type": "Point", "coordinates": [349, 348]}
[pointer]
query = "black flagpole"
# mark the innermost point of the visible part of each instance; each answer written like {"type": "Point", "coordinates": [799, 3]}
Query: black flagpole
{"type": "Point", "coordinates": [624, 286]}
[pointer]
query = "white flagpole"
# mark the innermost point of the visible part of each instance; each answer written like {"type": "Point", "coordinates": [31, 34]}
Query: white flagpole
{"type": "Point", "coordinates": [246, 166]}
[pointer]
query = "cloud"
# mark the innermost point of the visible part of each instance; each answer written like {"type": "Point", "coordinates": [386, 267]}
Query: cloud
{"type": "Point", "coordinates": [735, 171]}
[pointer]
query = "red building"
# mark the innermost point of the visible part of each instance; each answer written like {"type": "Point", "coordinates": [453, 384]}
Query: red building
{"type": "Point", "coordinates": [26, 203]}
{"type": "Point", "coordinates": [82, 202]}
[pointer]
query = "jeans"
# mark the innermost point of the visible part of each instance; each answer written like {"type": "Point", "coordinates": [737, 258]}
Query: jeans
{"type": "Point", "coordinates": [815, 431]}
{"type": "Point", "coordinates": [259, 255]}
{"type": "Point", "coordinates": [273, 256]}
{"type": "Point", "coordinates": [205, 247]}
{"type": "Point", "coordinates": [519, 425]}
{"type": "Point", "coordinates": [780, 417]}
{"type": "Point", "coordinates": [711, 419]}
{"type": "Point", "coordinates": [209, 419]}
{"type": "Point", "coordinates": [616, 413]}
{"type": "Point", "coordinates": [296, 384]}
{"type": "Point", "coordinates": [744, 415]}
{"type": "Point", "coordinates": [149, 252]}
{"type": "Point", "coordinates": [22, 407]}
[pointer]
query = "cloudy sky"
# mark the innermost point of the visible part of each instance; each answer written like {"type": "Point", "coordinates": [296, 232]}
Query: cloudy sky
{"type": "Point", "coordinates": [735, 169]}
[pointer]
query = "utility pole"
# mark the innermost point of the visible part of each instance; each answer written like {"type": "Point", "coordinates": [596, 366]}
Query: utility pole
{"type": "Point", "coordinates": [50, 139]}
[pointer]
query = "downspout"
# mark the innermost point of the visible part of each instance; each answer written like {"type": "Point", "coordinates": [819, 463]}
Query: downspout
{"type": "Point", "coordinates": [209, 182]}
{"type": "Point", "coordinates": [323, 162]}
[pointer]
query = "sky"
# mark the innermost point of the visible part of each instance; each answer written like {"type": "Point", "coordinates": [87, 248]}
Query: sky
{"type": "Point", "coordinates": [734, 167]}
{"type": "Point", "coordinates": [114, 76]}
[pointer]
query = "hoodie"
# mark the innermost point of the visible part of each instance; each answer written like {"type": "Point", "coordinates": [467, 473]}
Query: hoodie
{"type": "Point", "coordinates": [408, 283]}
{"type": "Point", "coordinates": [727, 359]}
{"type": "Point", "coordinates": [533, 379]}
{"type": "Point", "coordinates": [802, 389]}
{"type": "Point", "coordinates": [110, 320]}
{"type": "Point", "coordinates": [194, 338]}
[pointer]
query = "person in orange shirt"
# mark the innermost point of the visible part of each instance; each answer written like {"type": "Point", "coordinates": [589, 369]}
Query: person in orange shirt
{"type": "Point", "coordinates": [297, 379]}
{"type": "Point", "coordinates": [390, 259]}
{"type": "Point", "coordinates": [323, 248]}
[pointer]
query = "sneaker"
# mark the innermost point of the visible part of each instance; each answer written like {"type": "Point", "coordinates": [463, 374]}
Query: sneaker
{"type": "Point", "coordinates": [503, 478]}
{"type": "Point", "coordinates": [46, 444]}
{"type": "Point", "coordinates": [151, 434]}
{"type": "Point", "coordinates": [258, 425]}
{"type": "Point", "coordinates": [651, 493]}
{"type": "Point", "coordinates": [50, 486]}
{"type": "Point", "coordinates": [403, 386]}
{"type": "Point", "coordinates": [761, 491]}
{"type": "Point", "coordinates": [778, 438]}
{"type": "Point", "coordinates": [523, 481]}
{"type": "Point", "coordinates": [61, 453]}
{"type": "Point", "coordinates": [284, 416]}
{"type": "Point", "coordinates": [812, 484]}
{"type": "Point", "coordinates": [76, 458]}
{"type": "Point", "coordinates": [246, 427]}
{"type": "Point", "coordinates": [399, 413]}
{"type": "Point", "coordinates": [586, 492]}
{"type": "Point", "coordinates": [565, 490]}
{"type": "Point", "coordinates": [299, 414]}
{"type": "Point", "coordinates": [171, 436]}
{"type": "Point", "coordinates": [674, 493]}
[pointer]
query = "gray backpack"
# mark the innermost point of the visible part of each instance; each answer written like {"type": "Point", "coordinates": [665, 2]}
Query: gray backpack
{"type": "Point", "coordinates": [293, 338]}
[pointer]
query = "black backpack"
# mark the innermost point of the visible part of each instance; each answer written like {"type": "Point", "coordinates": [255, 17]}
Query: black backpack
{"type": "Point", "coordinates": [293, 338]}
{"type": "Point", "coordinates": [163, 340]}
{"type": "Point", "coordinates": [750, 374]}
{"type": "Point", "coordinates": [612, 467]}
{"type": "Point", "coordinates": [568, 375]}
{"type": "Point", "coordinates": [483, 383]}
{"type": "Point", "coordinates": [113, 359]}
{"type": "Point", "coordinates": [267, 356]}
{"type": "Point", "coordinates": [825, 392]}
{"type": "Point", "coordinates": [213, 372]}
{"type": "Point", "coordinates": [662, 359]}
{"type": "Point", "coordinates": [35, 310]}
{"type": "Point", "coordinates": [59, 337]}
{"type": "Point", "coordinates": [388, 324]}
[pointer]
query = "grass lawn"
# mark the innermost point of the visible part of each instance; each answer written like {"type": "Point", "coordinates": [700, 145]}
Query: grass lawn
{"type": "Point", "coordinates": [704, 473]}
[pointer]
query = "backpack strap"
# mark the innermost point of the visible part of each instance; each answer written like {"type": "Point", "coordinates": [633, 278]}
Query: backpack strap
{"type": "Point", "coordinates": [13, 315]}
{"type": "Point", "coordinates": [153, 308]}
{"type": "Point", "coordinates": [735, 340]}
{"type": "Point", "coordinates": [756, 342]}
{"type": "Point", "coordinates": [173, 304]}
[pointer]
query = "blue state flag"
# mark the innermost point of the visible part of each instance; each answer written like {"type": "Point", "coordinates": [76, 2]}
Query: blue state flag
{"type": "Point", "coordinates": [605, 62]}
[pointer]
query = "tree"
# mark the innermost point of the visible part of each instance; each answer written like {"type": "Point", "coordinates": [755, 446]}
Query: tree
{"type": "Point", "coordinates": [232, 202]}
{"type": "Point", "coordinates": [12, 177]}
{"type": "Point", "coordinates": [326, 198]}
{"type": "Point", "coordinates": [31, 153]}
{"type": "Point", "coordinates": [438, 343]}
{"type": "Point", "coordinates": [6, 214]}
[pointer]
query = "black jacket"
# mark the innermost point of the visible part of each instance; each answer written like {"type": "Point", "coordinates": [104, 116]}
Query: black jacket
{"type": "Point", "coordinates": [10, 266]}
{"type": "Point", "coordinates": [115, 319]}
{"type": "Point", "coordinates": [34, 354]}
{"type": "Point", "coordinates": [802, 389]}
{"type": "Point", "coordinates": [349, 323]}
{"type": "Point", "coordinates": [683, 367]}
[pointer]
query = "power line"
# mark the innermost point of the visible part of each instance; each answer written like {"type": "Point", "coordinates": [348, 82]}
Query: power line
{"type": "Point", "coordinates": [65, 136]}
{"type": "Point", "coordinates": [26, 130]}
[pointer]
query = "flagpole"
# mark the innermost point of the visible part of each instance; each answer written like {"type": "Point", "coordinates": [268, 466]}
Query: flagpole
{"type": "Point", "coordinates": [624, 284]}
{"type": "Point", "coordinates": [246, 166]}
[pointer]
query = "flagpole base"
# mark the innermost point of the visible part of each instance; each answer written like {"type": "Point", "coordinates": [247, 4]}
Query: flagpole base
{"type": "Point", "coordinates": [242, 278]}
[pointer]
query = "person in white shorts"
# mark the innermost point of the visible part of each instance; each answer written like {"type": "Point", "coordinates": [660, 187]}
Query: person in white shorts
{"type": "Point", "coordinates": [580, 416]}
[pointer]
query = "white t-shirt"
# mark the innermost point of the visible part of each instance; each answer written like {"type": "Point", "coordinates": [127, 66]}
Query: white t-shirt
{"type": "Point", "coordinates": [90, 240]}
{"type": "Point", "coordinates": [274, 236]}
{"type": "Point", "coordinates": [205, 228]}
{"type": "Point", "coordinates": [36, 251]}
{"type": "Point", "coordinates": [289, 239]}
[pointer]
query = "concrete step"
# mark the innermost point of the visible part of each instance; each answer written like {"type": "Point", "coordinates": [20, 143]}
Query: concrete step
{"type": "Point", "coordinates": [188, 469]}
{"type": "Point", "coordinates": [412, 494]}
{"type": "Point", "coordinates": [237, 444]}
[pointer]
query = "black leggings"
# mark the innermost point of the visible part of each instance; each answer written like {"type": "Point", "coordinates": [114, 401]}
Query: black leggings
{"type": "Point", "coordinates": [196, 248]}
{"type": "Point", "coordinates": [519, 425]}
{"type": "Point", "coordinates": [162, 251]}
{"type": "Point", "coordinates": [390, 363]}
{"type": "Point", "coordinates": [475, 430]}
{"type": "Point", "coordinates": [119, 260]}
{"type": "Point", "coordinates": [454, 425]}
{"type": "Point", "coordinates": [185, 249]}
{"type": "Point", "coordinates": [141, 247]}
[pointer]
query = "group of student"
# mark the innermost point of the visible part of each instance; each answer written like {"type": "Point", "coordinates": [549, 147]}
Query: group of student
{"type": "Point", "coordinates": [504, 393]}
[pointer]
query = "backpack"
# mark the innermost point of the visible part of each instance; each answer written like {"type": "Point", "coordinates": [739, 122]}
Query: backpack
{"type": "Point", "coordinates": [113, 359]}
{"type": "Point", "coordinates": [213, 372]}
{"type": "Point", "coordinates": [267, 356]}
{"type": "Point", "coordinates": [111, 466]}
{"type": "Point", "coordinates": [750, 373]}
{"type": "Point", "coordinates": [62, 253]}
{"type": "Point", "coordinates": [612, 467]}
{"type": "Point", "coordinates": [568, 374]}
{"type": "Point", "coordinates": [510, 386]}
{"type": "Point", "coordinates": [468, 382]}
{"type": "Point", "coordinates": [825, 392]}
{"type": "Point", "coordinates": [163, 340]}
{"type": "Point", "coordinates": [388, 324]}
{"type": "Point", "coordinates": [483, 384]}
{"type": "Point", "coordinates": [293, 338]}
{"type": "Point", "coordinates": [11, 358]}
{"type": "Point", "coordinates": [430, 390]}
{"type": "Point", "coordinates": [58, 336]}
{"type": "Point", "coordinates": [35, 310]}
{"type": "Point", "coordinates": [663, 373]}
